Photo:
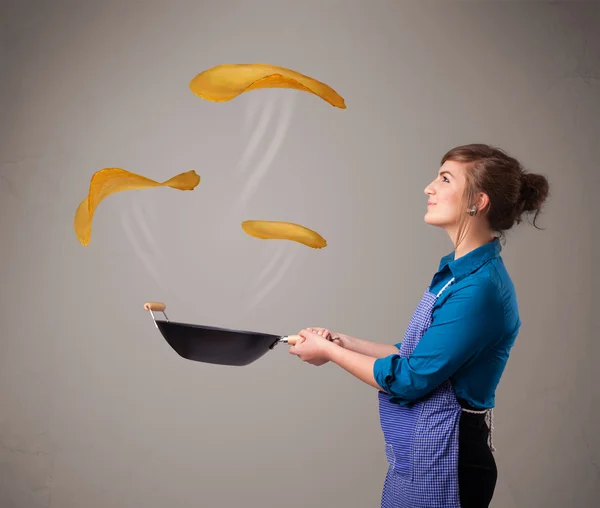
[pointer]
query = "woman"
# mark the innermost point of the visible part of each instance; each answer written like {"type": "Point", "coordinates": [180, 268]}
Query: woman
{"type": "Point", "coordinates": [437, 386]}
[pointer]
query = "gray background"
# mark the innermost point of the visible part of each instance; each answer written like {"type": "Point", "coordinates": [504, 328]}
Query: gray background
{"type": "Point", "coordinates": [96, 410]}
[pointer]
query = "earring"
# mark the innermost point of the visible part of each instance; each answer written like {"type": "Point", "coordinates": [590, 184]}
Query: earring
{"type": "Point", "coordinates": [472, 211]}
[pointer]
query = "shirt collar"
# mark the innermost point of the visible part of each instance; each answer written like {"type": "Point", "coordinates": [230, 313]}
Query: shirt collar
{"type": "Point", "coordinates": [471, 261]}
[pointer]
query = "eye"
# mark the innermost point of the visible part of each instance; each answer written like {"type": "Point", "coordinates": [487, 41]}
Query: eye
{"type": "Point", "coordinates": [444, 179]}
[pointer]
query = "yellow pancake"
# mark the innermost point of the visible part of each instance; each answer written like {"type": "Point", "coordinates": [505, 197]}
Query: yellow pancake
{"type": "Point", "coordinates": [108, 181]}
{"type": "Point", "coordinates": [225, 82]}
{"type": "Point", "coordinates": [274, 230]}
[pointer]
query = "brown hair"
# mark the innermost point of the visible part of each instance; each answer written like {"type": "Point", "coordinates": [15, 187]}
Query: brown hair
{"type": "Point", "coordinates": [512, 191]}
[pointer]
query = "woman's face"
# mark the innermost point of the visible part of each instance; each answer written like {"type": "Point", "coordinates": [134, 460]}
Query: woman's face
{"type": "Point", "coordinates": [445, 193]}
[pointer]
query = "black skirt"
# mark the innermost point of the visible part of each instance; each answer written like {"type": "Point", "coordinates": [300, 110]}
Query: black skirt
{"type": "Point", "coordinates": [477, 471]}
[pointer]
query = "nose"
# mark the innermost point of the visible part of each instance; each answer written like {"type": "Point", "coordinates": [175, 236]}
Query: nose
{"type": "Point", "coordinates": [428, 190]}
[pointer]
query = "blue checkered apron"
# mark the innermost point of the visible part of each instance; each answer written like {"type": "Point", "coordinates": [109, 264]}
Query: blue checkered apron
{"type": "Point", "coordinates": [421, 439]}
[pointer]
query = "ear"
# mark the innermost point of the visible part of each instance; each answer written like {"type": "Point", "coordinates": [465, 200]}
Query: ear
{"type": "Point", "coordinates": [482, 201]}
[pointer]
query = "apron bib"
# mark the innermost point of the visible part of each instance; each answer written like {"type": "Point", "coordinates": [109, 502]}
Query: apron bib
{"type": "Point", "coordinates": [421, 439]}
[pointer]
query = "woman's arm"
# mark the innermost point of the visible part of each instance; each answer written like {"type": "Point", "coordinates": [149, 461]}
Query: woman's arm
{"type": "Point", "coordinates": [471, 319]}
{"type": "Point", "coordinates": [357, 364]}
{"type": "Point", "coordinates": [366, 347]}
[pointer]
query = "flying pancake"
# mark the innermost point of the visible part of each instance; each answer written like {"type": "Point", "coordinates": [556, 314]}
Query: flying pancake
{"type": "Point", "coordinates": [275, 230]}
{"type": "Point", "coordinates": [225, 82]}
{"type": "Point", "coordinates": [108, 181]}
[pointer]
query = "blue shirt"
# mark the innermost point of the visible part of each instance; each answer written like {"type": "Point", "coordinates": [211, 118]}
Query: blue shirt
{"type": "Point", "coordinates": [474, 325]}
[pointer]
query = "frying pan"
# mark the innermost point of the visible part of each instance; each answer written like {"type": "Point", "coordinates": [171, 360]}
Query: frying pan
{"type": "Point", "coordinates": [210, 344]}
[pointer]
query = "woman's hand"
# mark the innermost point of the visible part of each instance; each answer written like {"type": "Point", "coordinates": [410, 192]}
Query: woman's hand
{"type": "Point", "coordinates": [336, 338]}
{"type": "Point", "coordinates": [315, 349]}
{"type": "Point", "coordinates": [312, 347]}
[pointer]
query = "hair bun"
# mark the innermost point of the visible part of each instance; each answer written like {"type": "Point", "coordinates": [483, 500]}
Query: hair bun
{"type": "Point", "coordinates": [534, 191]}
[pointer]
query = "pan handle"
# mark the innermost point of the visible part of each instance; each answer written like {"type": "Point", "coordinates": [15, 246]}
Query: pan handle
{"type": "Point", "coordinates": [157, 307]}
{"type": "Point", "coordinates": [290, 339]}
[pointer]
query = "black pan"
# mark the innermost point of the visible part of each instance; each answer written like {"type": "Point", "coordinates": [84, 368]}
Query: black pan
{"type": "Point", "coordinates": [210, 344]}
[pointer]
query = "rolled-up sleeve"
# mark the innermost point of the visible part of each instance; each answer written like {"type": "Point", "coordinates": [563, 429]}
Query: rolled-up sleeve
{"type": "Point", "coordinates": [469, 320]}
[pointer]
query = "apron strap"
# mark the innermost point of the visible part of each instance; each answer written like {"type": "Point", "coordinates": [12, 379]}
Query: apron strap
{"type": "Point", "coordinates": [444, 288]}
{"type": "Point", "coordinates": [489, 416]}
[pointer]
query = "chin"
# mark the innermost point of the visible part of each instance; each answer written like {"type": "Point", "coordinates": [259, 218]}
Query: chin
{"type": "Point", "coordinates": [432, 221]}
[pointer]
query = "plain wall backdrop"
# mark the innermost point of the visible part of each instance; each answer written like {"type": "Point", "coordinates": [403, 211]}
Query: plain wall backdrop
{"type": "Point", "coordinates": [96, 410]}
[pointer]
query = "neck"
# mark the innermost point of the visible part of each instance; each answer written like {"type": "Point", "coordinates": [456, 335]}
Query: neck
{"type": "Point", "coordinates": [472, 240]}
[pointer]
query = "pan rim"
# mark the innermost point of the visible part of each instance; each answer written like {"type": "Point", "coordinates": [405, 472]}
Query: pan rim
{"type": "Point", "coordinates": [218, 328]}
